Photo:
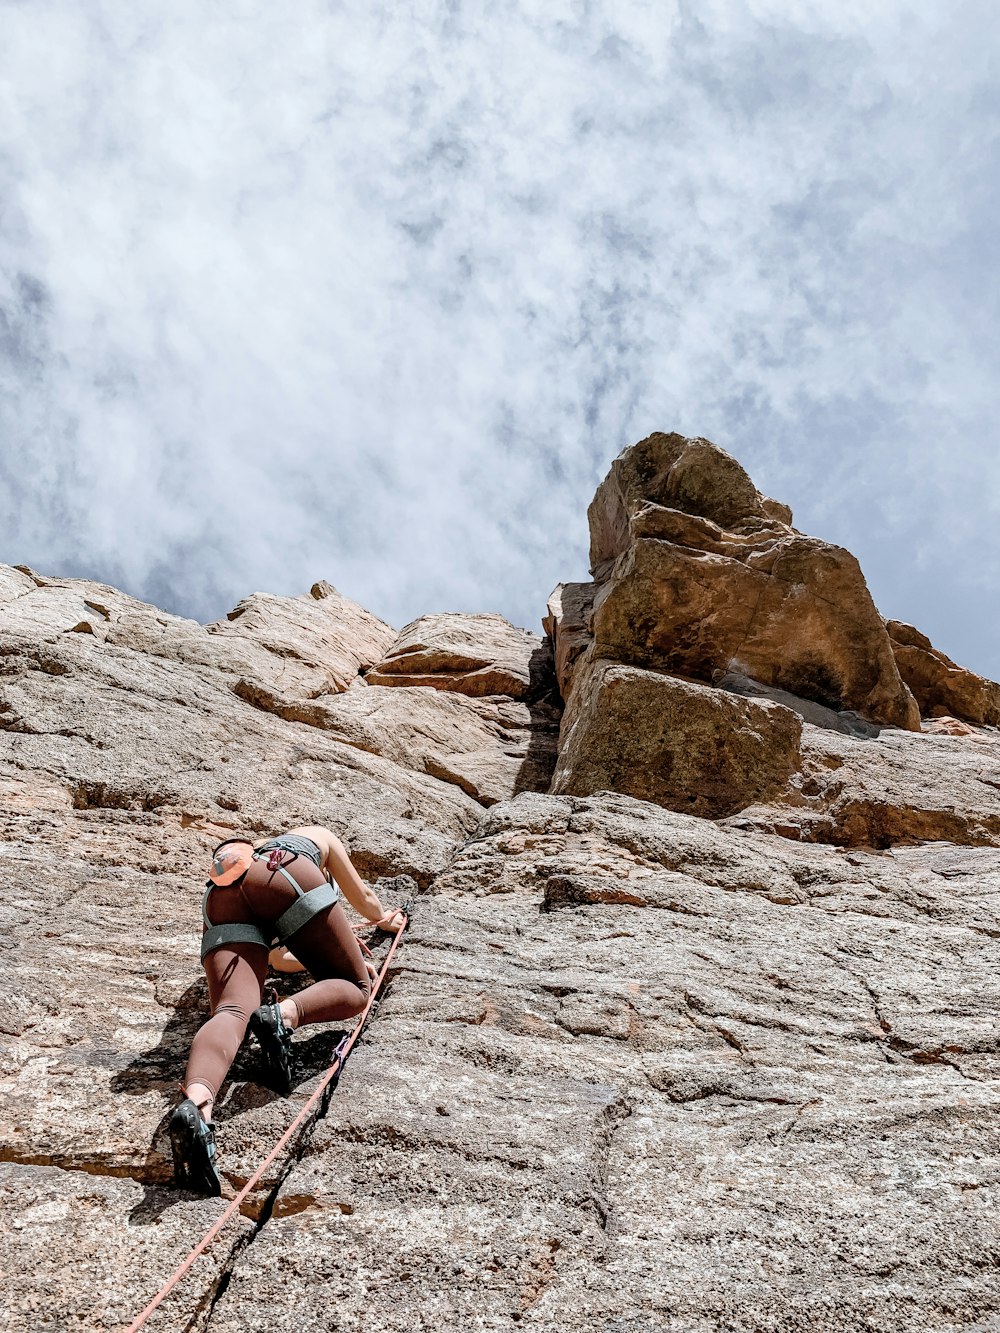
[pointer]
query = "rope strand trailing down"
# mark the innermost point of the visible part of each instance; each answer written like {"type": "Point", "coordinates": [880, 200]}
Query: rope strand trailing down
{"type": "Point", "coordinates": [333, 1072]}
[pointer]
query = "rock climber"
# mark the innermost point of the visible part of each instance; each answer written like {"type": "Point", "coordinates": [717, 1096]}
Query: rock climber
{"type": "Point", "coordinates": [288, 887]}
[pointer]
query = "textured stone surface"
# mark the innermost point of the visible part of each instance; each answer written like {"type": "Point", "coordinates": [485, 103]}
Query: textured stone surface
{"type": "Point", "coordinates": [953, 726]}
{"type": "Point", "coordinates": [314, 645]}
{"type": "Point", "coordinates": [939, 685]}
{"type": "Point", "coordinates": [683, 745]}
{"type": "Point", "coordinates": [697, 576]}
{"type": "Point", "coordinates": [149, 720]}
{"type": "Point", "coordinates": [830, 719]}
{"type": "Point", "coordinates": [797, 616]}
{"type": "Point", "coordinates": [567, 623]}
{"type": "Point", "coordinates": [898, 787]}
{"type": "Point", "coordinates": [782, 1147]}
{"type": "Point", "coordinates": [635, 1070]}
{"type": "Point", "coordinates": [473, 654]}
{"type": "Point", "coordinates": [490, 747]}
{"type": "Point", "coordinates": [297, 647]}
{"type": "Point", "coordinates": [72, 1243]}
{"type": "Point", "coordinates": [675, 473]}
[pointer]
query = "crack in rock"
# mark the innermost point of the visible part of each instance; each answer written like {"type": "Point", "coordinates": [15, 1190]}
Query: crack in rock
{"type": "Point", "coordinates": [272, 1202]}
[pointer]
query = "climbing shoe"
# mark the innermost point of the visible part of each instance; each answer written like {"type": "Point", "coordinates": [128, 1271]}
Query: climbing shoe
{"type": "Point", "coordinates": [275, 1041]}
{"type": "Point", "coordinates": [193, 1142]}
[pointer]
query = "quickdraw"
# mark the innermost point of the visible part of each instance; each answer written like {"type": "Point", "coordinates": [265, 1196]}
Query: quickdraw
{"type": "Point", "coordinates": [331, 1076]}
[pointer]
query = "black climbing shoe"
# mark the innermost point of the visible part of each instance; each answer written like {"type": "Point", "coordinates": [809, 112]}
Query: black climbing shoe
{"type": "Point", "coordinates": [275, 1041]}
{"type": "Point", "coordinates": [193, 1142]}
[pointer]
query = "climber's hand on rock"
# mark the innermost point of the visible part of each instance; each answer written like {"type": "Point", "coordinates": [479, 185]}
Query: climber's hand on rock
{"type": "Point", "coordinates": [393, 920]}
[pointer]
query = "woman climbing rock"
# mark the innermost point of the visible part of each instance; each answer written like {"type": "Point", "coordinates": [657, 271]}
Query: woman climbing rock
{"type": "Point", "coordinates": [288, 888]}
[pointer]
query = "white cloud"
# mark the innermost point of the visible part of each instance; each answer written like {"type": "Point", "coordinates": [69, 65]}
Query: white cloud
{"type": "Point", "coordinates": [402, 283]}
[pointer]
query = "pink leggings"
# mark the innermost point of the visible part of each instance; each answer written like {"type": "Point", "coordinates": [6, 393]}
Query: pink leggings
{"type": "Point", "coordinates": [325, 945]}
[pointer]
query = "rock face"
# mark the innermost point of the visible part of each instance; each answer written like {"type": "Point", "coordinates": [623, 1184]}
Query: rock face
{"type": "Point", "coordinates": [313, 645]}
{"type": "Point", "coordinates": [689, 747]}
{"type": "Point", "coordinates": [731, 1067]}
{"type": "Point", "coordinates": [696, 575]}
{"type": "Point", "coordinates": [567, 624]}
{"type": "Point", "coordinates": [491, 747]}
{"type": "Point", "coordinates": [475, 655]}
{"type": "Point", "coordinates": [702, 589]}
{"type": "Point", "coordinates": [888, 791]}
{"type": "Point", "coordinates": [152, 711]}
{"type": "Point", "coordinates": [940, 687]}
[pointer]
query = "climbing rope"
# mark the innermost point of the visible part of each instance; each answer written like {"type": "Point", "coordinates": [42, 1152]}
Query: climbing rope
{"type": "Point", "coordinates": [339, 1056]}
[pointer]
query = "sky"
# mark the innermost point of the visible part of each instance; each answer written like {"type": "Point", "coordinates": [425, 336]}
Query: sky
{"type": "Point", "coordinates": [376, 293]}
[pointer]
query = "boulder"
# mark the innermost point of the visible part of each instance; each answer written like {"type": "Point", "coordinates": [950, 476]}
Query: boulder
{"type": "Point", "coordinates": [941, 687]}
{"type": "Point", "coordinates": [698, 574]}
{"type": "Point", "coordinates": [471, 654]}
{"type": "Point", "coordinates": [693, 476]}
{"type": "Point", "coordinates": [679, 744]}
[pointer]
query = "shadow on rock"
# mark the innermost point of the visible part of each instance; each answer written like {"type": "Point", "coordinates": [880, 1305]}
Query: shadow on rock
{"type": "Point", "coordinates": [161, 1069]}
{"type": "Point", "coordinates": [545, 710]}
{"type": "Point", "coordinates": [162, 1066]}
{"type": "Point", "coordinates": [157, 1200]}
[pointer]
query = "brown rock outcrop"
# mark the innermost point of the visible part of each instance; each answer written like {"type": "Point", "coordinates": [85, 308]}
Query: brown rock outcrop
{"type": "Point", "coordinates": [798, 618]}
{"type": "Point", "coordinates": [752, 606]}
{"type": "Point", "coordinates": [567, 624]}
{"type": "Point", "coordinates": [697, 575]}
{"type": "Point", "coordinates": [471, 654]}
{"type": "Point", "coordinates": [941, 687]}
{"type": "Point", "coordinates": [682, 745]}
{"type": "Point", "coordinates": [692, 476]}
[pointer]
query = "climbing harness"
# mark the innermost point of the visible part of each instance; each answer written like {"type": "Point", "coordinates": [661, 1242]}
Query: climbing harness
{"type": "Point", "coordinates": [301, 912]}
{"type": "Point", "coordinates": [331, 1077]}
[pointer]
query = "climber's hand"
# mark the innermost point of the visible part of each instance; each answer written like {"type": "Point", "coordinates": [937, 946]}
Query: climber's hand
{"type": "Point", "coordinates": [393, 921]}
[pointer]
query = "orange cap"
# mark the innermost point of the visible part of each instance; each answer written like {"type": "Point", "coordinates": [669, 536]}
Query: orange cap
{"type": "Point", "coordinates": [230, 860]}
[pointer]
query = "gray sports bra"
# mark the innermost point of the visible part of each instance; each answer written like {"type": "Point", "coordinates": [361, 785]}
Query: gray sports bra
{"type": "Point", "coordinates": [295, 843]}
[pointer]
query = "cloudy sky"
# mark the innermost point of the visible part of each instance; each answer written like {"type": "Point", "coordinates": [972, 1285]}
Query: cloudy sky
{"type": "Point", "coordinates": [376, 293]}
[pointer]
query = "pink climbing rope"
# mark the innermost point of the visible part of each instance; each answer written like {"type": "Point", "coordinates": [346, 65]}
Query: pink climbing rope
{"type": "Point", "coordinates": [335, 1068]}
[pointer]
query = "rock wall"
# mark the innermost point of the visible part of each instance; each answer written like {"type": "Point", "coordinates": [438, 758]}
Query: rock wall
{"type": "Point", "coordinates": [714, 1050]}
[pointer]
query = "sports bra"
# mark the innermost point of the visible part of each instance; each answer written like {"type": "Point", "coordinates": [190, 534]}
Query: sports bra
{"type": "Point", "coordinates": [296, 844]}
